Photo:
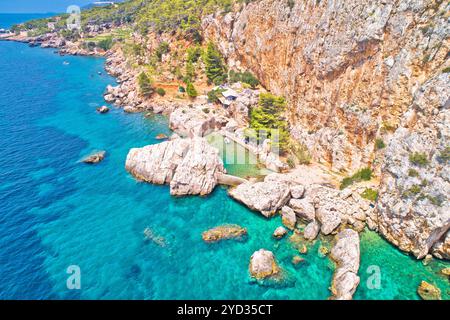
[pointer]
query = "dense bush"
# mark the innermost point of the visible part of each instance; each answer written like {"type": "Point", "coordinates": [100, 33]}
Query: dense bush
{"type": "Point", "coordinates": [244, 77]}
{"type": "Point", "coordinates": [379, 144]}
{"type": "Point", "coordinates": [105, 44]}
{"type": "Point", "coordinates": [370, 194]}
{"type": "Point", "coordinates": [161, 92]}
{"type": "Point", "coordinates": [362, 175]}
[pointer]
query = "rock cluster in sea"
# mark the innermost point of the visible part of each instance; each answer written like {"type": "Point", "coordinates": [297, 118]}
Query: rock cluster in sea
{"type": "Point", "coordinates": [263, 265]}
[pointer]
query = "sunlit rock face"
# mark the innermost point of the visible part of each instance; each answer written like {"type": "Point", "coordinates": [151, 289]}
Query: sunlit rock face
{"type": "Point", "coordinates": [349, 69]}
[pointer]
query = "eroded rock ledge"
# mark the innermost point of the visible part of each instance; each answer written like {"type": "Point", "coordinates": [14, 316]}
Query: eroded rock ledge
{"type": "Point", "coordinates": [190, 166]}
{"type": "Point", "coordinates": [346, 254]}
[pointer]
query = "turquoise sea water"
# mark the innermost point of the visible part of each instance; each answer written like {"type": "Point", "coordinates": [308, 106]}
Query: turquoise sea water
{"type": "Point", "coordinates": [56, 212]}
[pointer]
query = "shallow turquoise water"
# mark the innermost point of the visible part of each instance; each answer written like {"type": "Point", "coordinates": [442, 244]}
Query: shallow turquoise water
{"type": "Point", "coordinates": [56, 212]}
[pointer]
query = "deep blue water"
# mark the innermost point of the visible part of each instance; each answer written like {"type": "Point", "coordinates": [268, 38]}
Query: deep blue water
{"type": "Point", "coordinates": [56, 212]}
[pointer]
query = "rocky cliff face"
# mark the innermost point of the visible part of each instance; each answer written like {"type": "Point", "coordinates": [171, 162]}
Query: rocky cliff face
{"type": "Point", "coordinates": [349, 68]}
{"type": "Point", "coordinates": [354, 72]}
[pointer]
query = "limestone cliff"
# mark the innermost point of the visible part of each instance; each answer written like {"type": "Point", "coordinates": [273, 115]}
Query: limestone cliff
{"type": "Point", "coordinates": [348, 68]}
{"type": "Point", "coordinates": [354, 72]}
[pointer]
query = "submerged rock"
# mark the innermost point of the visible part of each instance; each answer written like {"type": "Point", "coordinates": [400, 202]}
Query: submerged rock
{"type": "Point", "coordinates": [95, 158]}
{"type": "Point", "coordinates": [224, 232]}
{"type": "Point", "coordinates": [297, 260]}
{"type": "Point", "coordinates": [103, 109]}
{"type": "Point", "coordinates": [446, 271]}
{"type": "Point", "coordinates": [280, 232]}
{"type": "Point", "coordinates": [263, 265]}
{"type": "Point", "coordinates": [190, 166]}
{"type": "Point", "coordinates": [346, 254]}
{"type": "Point", "coordinates": [428, 291]}
{"type": "Point", "coordinates": [265, 197]}
{"type": "Point", "coordinates": [151, 236]}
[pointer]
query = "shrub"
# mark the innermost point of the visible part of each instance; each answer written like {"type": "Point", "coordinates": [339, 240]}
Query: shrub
{"type": "Point", "coordinates": [446, 70]}
{"type": "Point", "coordinates": [161, 92]}
{"type": "Point", "coordinates": [370, 194]}
{"type": "Point", "coordinates": [193, 54]}
{"type": "Point", "coordinates": [213, 95]}
{"type": "Point", "coordinates": [413, 173]}
{"type": "Point", "coordinates": [205, 110]}
{"type": "Point", "coordinates": [444, 156]}
{"type": "Point", "coordinates": [301, 152]}
{"type": "Point", "coordinates": [362, 175]}
{"type": "Point", "coordinates": [379, 144]}
{"type": "Point", "coordinates": [145, 85]}
{"type": "Point", "coordinates": [245, 77]}
{"type": "Point", "coordinates": [419, 159]}
{"type": "Point", "coordinates": [191, 91]}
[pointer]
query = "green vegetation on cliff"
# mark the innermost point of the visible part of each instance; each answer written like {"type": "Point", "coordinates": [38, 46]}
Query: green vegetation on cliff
{"type": "Point", "coordinates": [268, 122]}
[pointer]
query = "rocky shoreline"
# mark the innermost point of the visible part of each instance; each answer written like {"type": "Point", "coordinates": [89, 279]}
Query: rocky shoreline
{"type": "Point", "coordinates": [190, 166]}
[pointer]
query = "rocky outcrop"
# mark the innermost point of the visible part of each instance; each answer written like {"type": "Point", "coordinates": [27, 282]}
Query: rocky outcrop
{"type": "Point", "coordinates": [263, 265]}
{"type": "Point", "coordinates": [95, 157]}
{"type": "Point", "coordinates": [288, 217]}
{"type": "Point", "coordinates": [346, 254]}
{"type": "Point", "coordinates": [190, 122]}
{"type": "Point", "coordinates": [427, 291]}
{"type": "Point", "coordinates": [441, 249]}
{"type": "Point", "coordinates": [224, 232]}
{"type": "Point", "coordinates": [312, 230]}
{"type": "Point", "coordinates": [265, 197]}
{"type": "Point", "coordinates": [347, 67]}
{"type": "Point", "coordinates": [190, 166]}
{"type": "Point", "coordinates": [414, 206]}
{"type": "Point", "coordinates": [303, 208]}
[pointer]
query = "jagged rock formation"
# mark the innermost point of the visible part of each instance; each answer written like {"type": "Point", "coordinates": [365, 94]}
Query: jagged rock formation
{"type": "Point", "coordinates": [346, 254]}
{"type": "Point", "coordinates": [414, 206]}
{"type": "Point", "coordinates": [347, 67]}
{"type": "Point", "coordinates": [190, 122]}
{"type": "Point", "coordinates": [190, 166]}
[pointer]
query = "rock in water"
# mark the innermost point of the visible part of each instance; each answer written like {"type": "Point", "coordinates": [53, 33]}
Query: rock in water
{"type": "Point", "coordinates": [224, 232]}
{"type": "Point", "coordinates": [280, 232]}
{"type": "Point", "coordinates": [297, 260]}
{"type": "Point", "coordinates": [103, 109]}
{"type": "Point", "coordinates": [95, 158]}
{"type": "Point", "coordinates": [190, 166]}
{"type": "Point", "coordinates": [288, 217]}
{"type": "Point", "coordinates": [312, 230]}
{"type": "Point", "coordinates": [263, 265]}
{"type": "Point", "coordinates": [346, 254]}
{"type": "Point", "coordinates": [265, 197]}
{"type": "Point", "coordinates": [428, 291]}
{"type": "Point", "coordinates": [161, 136]}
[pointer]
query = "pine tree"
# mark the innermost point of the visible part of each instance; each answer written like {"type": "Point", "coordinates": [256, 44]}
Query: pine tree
{"type": "Point", "coordinates": [191, 91]}
{"type": "Point", "coordinates": [268, 116]}
{"type": "Point", "coordinates": [145, 85]}
{"type": "Point", "coordinates": [215, 67]}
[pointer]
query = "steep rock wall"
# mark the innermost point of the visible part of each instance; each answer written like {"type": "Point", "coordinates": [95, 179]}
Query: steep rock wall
{"type": "Point", "coordinates": [348, 68]}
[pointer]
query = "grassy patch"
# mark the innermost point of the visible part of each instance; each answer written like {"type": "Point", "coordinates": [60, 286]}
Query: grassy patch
{"type": "Point", "coordinates": [413, 173]}
{"type": "Point", "coordinates": [379, 144]}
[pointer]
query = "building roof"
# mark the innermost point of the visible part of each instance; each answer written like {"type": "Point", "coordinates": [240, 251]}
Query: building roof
{"type": "Point", "coordinates": [224, 101]}
{"type": "Point", "coordinates": [230, 93]}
